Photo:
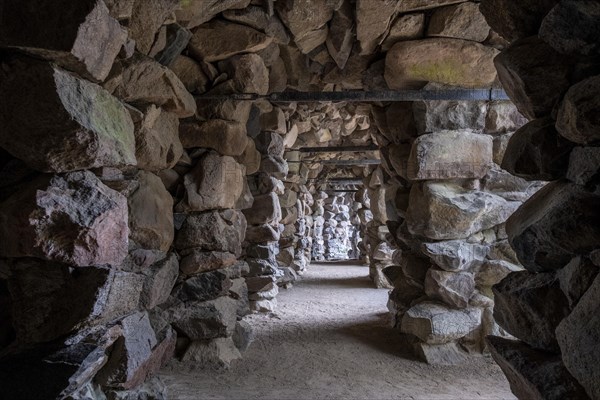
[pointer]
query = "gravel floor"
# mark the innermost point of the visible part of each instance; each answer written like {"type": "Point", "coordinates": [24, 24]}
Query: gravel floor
{"type": "Point", "coordinates": [330, 339]}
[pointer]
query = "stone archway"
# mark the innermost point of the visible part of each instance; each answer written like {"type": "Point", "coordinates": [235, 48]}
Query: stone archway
{"type": "Point", "coordinates": [151, 196]}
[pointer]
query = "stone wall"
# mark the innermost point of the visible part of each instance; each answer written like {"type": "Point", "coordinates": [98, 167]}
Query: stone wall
{"type": "Point", "coordinates": [143, 216]}
{"type": "Point", "coordinates": [550, 71]}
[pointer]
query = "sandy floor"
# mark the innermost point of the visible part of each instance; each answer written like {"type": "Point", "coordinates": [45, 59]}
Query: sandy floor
{"type": "Point", "coordinates": [329, 339]}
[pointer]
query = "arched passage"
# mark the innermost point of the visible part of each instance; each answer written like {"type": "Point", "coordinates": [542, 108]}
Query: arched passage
{"type": "Point", "coordinates": [152, 196]}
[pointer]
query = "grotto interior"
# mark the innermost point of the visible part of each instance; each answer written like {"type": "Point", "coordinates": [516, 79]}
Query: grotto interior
{"type": "Point", "coordinates": [194, 191]}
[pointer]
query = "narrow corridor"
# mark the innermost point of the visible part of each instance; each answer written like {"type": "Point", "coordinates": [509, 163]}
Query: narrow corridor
{"type": "Point", "coordinates": [329, 339]}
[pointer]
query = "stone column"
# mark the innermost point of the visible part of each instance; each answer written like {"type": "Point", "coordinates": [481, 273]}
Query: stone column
{"type": "Point", "coordinates": [451, 202]}
{"type": "Point", "coordinates": [551, 306]}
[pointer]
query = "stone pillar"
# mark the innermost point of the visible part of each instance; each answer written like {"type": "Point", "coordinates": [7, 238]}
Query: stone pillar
{"type": "Point", "coordinates": [86, 223]}
{"type": "Point", "coordinates": [265, 227]}
{"type": "Point", "coordinates": [551, 306]}
{"type": "Point", "coordinates": [449, 203]}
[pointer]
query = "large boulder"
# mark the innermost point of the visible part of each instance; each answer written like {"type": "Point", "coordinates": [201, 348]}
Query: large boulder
{"type": "Point", "coordinates": [449, 61]}
{"type": "Point", "coordinates": [534, 76]}
{"type": "Point", "coordinates": [190, 73]}
{"type": "Point", "coordinates": [435, 323]}
{"type": "Point", "coordinates": [556, 224]}
{"type": "Point", "coordinates": [143, 81]}
{"type": "Point", "coordinates": [559, 31]}
{"type": "Point", "coordinates": [146, 19]}
{"type": "Point", "coordinates": [215, 183]}
{"type": "Point", "coordinates": [443, 211]}
{"type": "Point", "coordinates": [577, 120]}
{"type": "Point", "coordinates": [80, 126]}
{"type": "Point", "coordinates": [85, 39]}
{"type": "Point", "coordinates": [461, 21]}
{"type": "Point", "coordinates": [405, 27]}
{"type": "Point", "coordinates": [208, 45]}
{"type": "Point", "coordinates": [248, 72]}
{"type": "Point", "coordinates": [450, 155]}
{"type": "Point", "coordinates": [87, 297]}
{"type": "Point", "coordinates": [91, 218]}
{"type": "Point", "coordinates": [205, 320]}
{"type": "Point", "coordinates": [530, 306]}
{"type": "Point", "coordinates": [438, 115]}
{"type": "Point", "coordinates": [373, 20]}
{"type": "Point", "coordinates": [264, 210]}
{"type": "Point", "coordinates": [533, 374]}
{"type": "Point", "coordinates": [537, 152]}
{"type": "Point", "coordinates": [157, 144]}
{"type": "Point", "coordinates": [455, 255]}
{"type": "Point", "coordinates": [578, 337]}
{"type": "Point", "coordinates": [151, 213]}
{"type": "Point", "coordinates": [226, 137]}
{"type": "Point", "coordinates": [306, 20]}
{"type": "Point", "coordinates": [213, 231]}
{"type": "Point", "coordinates": [515, 20]}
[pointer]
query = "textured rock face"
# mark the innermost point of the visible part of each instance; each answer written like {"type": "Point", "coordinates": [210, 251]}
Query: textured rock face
{"type": "Point", "coordinates": [226, 137]}
{"type": "Point", "coordinates": [577, 120]}
{"type": "Point", "coordinates": [443, 211]}
{"type": "Point", "coordinates": [83, 126]}
{"type": "Point", "coordinates": [534, 76]}
{"type": "Point", "coordinates": [45, 289]}
{"type": "Point", "coordinates": [436, 324]}
{"type": "Point", "coordinates": [372, 19]}
{"type": "Point", "coordinates": [86, 39]}
{"type": "Point", "coordinates": [144, 81]}
{"type": "Point", "coordinates": [462, 21]}
{"type": "Point", "coordinates": [436, 116]}
{"type": "Point", "coordinates": [455, 255]}
{"type": "Point", "coordinates": [530, 307]}
{"type": "Point", "coordinates": [205, 320]}
{"type": "Point", "coordinates": [146, 19]}
{"type": "Point", "coordinates": [555, 225]}
{"type": "Point", "coordinates": [306, 20]}
{"type": "Point", "coordinates": [417, 62]}
{"type": "Point", "coordinates": [470, 156]}
{"type": "Point", "coordinates": [405, 27]}
{"type": "Point", "coordinates": [578, 339]}
{"type": "Point", "coordinates": [533, 374]}
{"type": "Point", "coordinates": [208, 45]}
{"type": "Point", "coordinates": [91, 217]}
{"type": "Point", "coordinates": [454, 289]}
{"type": "Point", "coordinates": [264, 210]}
{"type": "Point", "coordinates": [215, 183]}
{"type": "Point", "coordinates": [213, 231]}
{"type": "Point", "coordinates": [157, 144]}
{"type": "Point", "coordinates": [150, 214]}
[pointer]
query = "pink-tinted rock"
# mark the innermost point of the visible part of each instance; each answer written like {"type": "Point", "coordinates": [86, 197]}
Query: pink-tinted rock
{"type": "Point", "coordinates": [72, 218]}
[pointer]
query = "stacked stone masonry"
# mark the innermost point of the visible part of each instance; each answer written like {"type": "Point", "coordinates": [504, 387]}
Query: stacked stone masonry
{"type": "Point", "coordinates": [140, 222]}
